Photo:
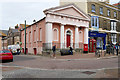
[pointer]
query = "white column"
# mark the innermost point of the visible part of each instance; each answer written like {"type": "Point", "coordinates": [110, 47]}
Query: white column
{"type": "Point", "coordinates": [86, 36]}
{"type": "Point", "coordinates": [49, 34]}
{"type": "Point", "coordinates": [76, 38]}
{"type": "Point", "coordinates": [62, 35]}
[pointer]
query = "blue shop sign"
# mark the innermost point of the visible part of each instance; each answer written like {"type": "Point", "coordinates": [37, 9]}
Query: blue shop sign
{"type": "Point", "coordinates": [96, 34]}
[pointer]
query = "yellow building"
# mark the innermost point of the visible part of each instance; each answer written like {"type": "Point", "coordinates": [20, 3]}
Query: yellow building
{"type": "Point", "coordinates": [3, 34]}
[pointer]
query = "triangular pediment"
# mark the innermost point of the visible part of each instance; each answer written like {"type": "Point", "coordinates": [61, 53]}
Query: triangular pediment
{"type": "Point", "coordinates": [70, 10]}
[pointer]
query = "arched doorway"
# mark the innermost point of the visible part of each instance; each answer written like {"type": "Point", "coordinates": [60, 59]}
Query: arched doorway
{"type": "Point", "coordinates": [68, 34]}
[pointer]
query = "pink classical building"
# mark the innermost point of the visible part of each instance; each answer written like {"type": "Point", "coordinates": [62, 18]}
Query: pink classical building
{"type": "Point", "coordinates": [63, 26]}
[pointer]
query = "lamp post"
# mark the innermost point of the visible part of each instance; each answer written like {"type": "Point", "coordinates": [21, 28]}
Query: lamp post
{"type": "Point", "coordinates": [25, 38]}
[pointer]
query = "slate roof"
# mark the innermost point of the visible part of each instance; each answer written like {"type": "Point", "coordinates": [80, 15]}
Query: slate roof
{"type": "Point", "coordinates": [15, 30]}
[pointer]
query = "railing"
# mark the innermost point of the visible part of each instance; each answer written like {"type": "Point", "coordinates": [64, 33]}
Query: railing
{"type": "Point", "coordinates": [48, 46]}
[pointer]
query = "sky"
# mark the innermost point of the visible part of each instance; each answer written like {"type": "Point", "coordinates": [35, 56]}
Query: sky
{"type": "Point", "coordinates": [13, 12]}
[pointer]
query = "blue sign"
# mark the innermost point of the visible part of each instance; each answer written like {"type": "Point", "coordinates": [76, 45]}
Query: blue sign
{"type": "Point", "coordinates": [97, 34]}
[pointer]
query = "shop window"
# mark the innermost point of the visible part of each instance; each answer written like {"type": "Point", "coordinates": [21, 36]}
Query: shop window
{"type": "Point", "coordinates": [113, 38]}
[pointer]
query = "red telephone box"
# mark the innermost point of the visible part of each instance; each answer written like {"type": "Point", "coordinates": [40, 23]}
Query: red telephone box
{"type": "Point", "coordinates": [92, 45]}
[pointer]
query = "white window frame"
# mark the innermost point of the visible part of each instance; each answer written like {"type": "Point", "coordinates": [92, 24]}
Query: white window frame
{"type": "Point", "coordinates": [93, 8]}
{"type": "Point", "coordinates": [108, 11]}
{"type": "Point", "coordinates": [115, 14]}
{"type": "Point", "coordinates": [101, 10]}
{"type": "Point", "coordinates": [57, 34]}
{"type": "Point", "coordinates": [92, 21]}
{"type": "Point", "coordinates": [113, 25]}
{"type": "Point", "coordinates": [95, 21]}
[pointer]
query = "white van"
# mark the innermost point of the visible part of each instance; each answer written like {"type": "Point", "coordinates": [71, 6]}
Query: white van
{"type": "Point", "coordinates": [15, 49]}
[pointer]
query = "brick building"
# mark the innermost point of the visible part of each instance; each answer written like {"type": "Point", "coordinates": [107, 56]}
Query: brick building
{"type": "Point", "coordinates": [63, 26]}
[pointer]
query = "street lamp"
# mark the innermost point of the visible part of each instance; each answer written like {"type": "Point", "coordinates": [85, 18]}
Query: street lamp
{"type": "Point", "coordinates": [25, 38]}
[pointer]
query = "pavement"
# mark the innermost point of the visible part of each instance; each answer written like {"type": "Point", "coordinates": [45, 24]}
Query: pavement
{"type": "Point", "coordinates": [77, 56]}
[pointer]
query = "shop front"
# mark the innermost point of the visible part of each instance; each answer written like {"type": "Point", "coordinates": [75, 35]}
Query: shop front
{"type": "Point", "coordinates": [100, 39]}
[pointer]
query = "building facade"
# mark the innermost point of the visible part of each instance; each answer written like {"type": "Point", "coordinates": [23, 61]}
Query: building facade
{"type": "Point", "coordinates": [13, 36]}
{"type": "Point", "coordinates": [105, 21]}
{"type": "Point", "coordinates": [63, 26]}
{"type": "Point", "coordinates": [3, 43]}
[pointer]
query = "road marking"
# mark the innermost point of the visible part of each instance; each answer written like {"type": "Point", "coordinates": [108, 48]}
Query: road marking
{"type": "Point", "coordinates": [29, 55]}
{"type": "Point", "coordinates": [62, 69]}
{"type": "Point", "coordinates": [86, 59]}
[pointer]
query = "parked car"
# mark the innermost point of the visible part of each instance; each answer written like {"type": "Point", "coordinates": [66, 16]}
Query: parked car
{"type": "Point", "coordinates": [6, 55]}
{"type": "Point", "coordinates": [15, 49]}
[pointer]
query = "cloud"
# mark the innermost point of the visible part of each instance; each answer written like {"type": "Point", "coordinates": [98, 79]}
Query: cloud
{"type": "Point", "coordinates": [17, 12]}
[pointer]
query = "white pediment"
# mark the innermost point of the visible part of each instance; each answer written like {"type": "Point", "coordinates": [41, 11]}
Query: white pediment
{"type": "Point", "coordinates": [70, 10]}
